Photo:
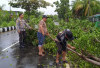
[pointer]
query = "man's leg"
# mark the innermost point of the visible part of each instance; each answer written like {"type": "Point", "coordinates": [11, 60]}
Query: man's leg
{"type": "Point", "coordinates": [57, 58]}
{"type": "Point", "coordinates": [40, 39]}
{"type": "Point", "coordinates": [24, 38]}
{"type": "Point", "coordinates": [59, 52]}
{"type": "Point", "coordinates": [40, 49]}
{"type": "Point", "coordinates": [64, 55]}
{"type": "Point", "coordinates": [42, 45]}
{"type": "Point", "coordinates": [20, 39]}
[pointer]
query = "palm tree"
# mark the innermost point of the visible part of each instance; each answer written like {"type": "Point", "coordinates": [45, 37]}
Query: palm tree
{"type": "Point", "coordinates": [77, 7]}
{"type": "Point", "coordinates": [86, 7]}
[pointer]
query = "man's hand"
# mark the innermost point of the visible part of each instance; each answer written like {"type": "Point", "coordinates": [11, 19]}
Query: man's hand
{"type": "Point", "coordinates": [43, 33]}
{"type": "Point", "coordinates": [47, 34]}
{"type": "Point", "coordinates": [31, 28]}
{"type": "Point", "coordinates": [73, 48]}
{"type": "Point", "coordinates": [56, 40]}
{"type": "Point", "coordinates": [18, 31]}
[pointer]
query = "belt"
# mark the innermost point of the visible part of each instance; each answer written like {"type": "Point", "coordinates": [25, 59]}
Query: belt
{"type": "Point", "coordinates": [22, 29]}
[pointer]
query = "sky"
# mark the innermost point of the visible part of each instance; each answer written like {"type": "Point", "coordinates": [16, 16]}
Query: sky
{"type": "Point", "coordinates": [47, 11]}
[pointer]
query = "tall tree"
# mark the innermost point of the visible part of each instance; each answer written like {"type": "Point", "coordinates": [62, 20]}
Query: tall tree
{"type": "Point", "coordinates": [62, 8]}
{"type": "Point", "coordinates": [29, 5]}
{"type": "Point", "coordinates": [2, 6]}
{"type": "Point", "coordinates": [86, 7]}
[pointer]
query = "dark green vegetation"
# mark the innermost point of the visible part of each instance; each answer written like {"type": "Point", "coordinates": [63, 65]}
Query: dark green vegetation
{"type": "Point", "coordinates": [83, 8]}
{"type": "Point", "coordinates": [30, 6]}
{"type": "Point", "coordinates": [62, 9]}
{"type": "Point", "coordinates": [6, 19]}
{"type": "Point", "coordinates": [80, 8]}
{"type": "Point", "coordinates": [86, 38]}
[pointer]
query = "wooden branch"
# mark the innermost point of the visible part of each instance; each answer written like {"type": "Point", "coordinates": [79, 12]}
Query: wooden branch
{"type": "Point", "coordinates": [84, 57]}
{"type": "Point", "coordinates": [95, 58]}
{"type": "Point", "coordinates": [90, 56]}
{"type": "Point", "coordinates": [91, 61]}
{"type": "Point", "coordinates": [97, 40]}
{"type": "Point", "coordinates": [81, 55]}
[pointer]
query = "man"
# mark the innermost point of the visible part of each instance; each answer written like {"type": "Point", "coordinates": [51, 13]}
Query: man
{"type": "Point", "coordinates": [61, 43]}
{"type": "Point", "coordinates": [42, 32]}
{"type": "Point", "coordinates": [21, 25]}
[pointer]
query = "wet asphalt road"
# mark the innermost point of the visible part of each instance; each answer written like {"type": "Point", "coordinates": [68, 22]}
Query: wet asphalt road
{"type": "Point", "coordinates": [24, 58]}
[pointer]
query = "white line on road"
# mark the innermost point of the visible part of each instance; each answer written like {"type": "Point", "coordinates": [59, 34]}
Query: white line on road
{"type": "Point", "coordinates": [10, 46]}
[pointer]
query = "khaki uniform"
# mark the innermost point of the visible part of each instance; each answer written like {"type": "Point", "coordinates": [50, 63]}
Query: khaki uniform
{"type": "Point", "coordinates": [22, 25]}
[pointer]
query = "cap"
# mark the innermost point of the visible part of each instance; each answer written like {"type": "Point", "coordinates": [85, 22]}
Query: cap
{"type": "Point", "coordinates": [44, 16]}
{"type": "Point", "coordinates": [69, 34]}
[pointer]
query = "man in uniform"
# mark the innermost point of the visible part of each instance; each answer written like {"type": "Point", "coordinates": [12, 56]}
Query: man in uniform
{"type": "Point", "coordinates": [21, 26]}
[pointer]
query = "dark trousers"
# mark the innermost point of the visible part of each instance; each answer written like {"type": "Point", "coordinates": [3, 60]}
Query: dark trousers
{"type": "Point", "coordinates": [22, 38]}
{"type": "Point", "coordinates": [60, 47]}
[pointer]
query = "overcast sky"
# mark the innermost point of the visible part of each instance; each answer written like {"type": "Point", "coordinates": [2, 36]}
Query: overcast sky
{"type": "Point", "coordinates": [47, 11]}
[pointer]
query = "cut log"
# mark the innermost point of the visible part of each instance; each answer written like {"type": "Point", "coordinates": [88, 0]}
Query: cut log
{"type": "Point", "coordinates": [84, 57]}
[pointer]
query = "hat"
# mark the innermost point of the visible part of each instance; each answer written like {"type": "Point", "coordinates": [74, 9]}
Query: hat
{"type": "Point", "coordinates": [44, 16]}
{"type": "Point", "coordinates": [69, 34]}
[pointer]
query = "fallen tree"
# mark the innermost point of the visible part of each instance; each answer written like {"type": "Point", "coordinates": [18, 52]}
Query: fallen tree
{"type": "Point", "coordinates": [86, 58]}
{"type": "Point", "coordinates": [89, 58]}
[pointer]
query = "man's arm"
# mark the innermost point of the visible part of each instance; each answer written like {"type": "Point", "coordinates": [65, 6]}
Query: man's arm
{"type": "Point", "coordinates": [41, 28]}
{"type": "Point", "coordinates": [27, 26]}
{"type": "Point", "coordinates": [71, 46]}
{"type": "Point", "coordinates": [18, 26]}
{"type": "Point", "coordinates": [47, 33]}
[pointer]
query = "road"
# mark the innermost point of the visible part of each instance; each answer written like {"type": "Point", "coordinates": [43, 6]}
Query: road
{"type": "Point", "coordinates": [13, 57]}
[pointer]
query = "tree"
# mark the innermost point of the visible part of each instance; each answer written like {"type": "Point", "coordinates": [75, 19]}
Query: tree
{"type": "Point", "coordinates": [2, 6]}
{"type": "Point", "coordinates": [62, 8]}
{"type": "Point", "coordinates": [83, 8]}
{"type": "Point", "coordinates": [29, 5]}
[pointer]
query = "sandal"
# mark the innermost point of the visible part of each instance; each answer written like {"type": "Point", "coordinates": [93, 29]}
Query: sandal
{"type": "Point", "coordinates": [65, 61]}
{"type": "Point", "coordinates": [41, 54]}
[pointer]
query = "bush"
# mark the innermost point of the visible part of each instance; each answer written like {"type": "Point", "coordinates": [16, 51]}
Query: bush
{"type": "Point", "coordinates": [85, 38]}
{"type": "Point", "coordinates": [4, 24]}
{"type": "Point", "coordinates": [0, 22]}
{"type": "Point", "coordinates": [11, 23]}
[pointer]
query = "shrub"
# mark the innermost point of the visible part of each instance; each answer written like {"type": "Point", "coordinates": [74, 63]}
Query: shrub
{"type": "Point", "coordinates": [4, 24]}
{"type": "Point", "coordinates": [11, 23]}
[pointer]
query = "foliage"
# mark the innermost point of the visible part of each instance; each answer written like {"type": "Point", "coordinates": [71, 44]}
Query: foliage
{"type": "Point", "coordinates": [1, 7]}
{"type": "Point", "coordinates": [0, 22]}
{"type": "Point", "coordinates": [29, 5]}
{"type": "Point", "coordinates": [32, 36]}
{"type": "Point", "coordinates": [62, 9]}
{"type": "Point", "coordinates": [5, 16]}
{"type": "Point", "coordinates": [55, 18]}
{"type": "Point", "coordinates": [83, 8]}
{"type": "Point", "coordinates": [11, 23]}
{"type": "Point", "coordinates": [4, 24]}
{"type": "Point", "coordinates": [85, 38]}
